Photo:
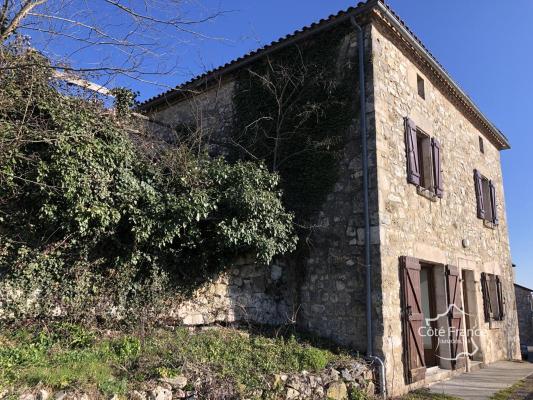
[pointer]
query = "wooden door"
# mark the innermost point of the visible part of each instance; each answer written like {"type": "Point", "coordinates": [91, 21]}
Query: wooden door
{"type": "Point", "coordinates": [412, 314]}
{"type": "Point", "coordinates": [455, 316]}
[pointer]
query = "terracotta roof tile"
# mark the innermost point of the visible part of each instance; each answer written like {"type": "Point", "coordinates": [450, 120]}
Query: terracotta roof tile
{"type": "Point", "coordinates": [312, 29]}
{"type": "Point", "coordinates": [199, 78]}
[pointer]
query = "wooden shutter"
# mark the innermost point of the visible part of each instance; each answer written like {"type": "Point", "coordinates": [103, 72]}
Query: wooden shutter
{"type": "Point", "coordinates": [493, 205]}
{"type": "Point", "coordinates": [487, 308]}
{"type": "Point", "coordinates": [479, 194]}
{"type": "Point", "coordinates": [500, 298]}
{"type": "Point", "coordinates": [437, 171]}
{"type": "Point", "coordinates": [413, 319]}
{"type": "Point", "coordinates": [411, 145]}
{"type": "Point", "coordinates": [455, 316]}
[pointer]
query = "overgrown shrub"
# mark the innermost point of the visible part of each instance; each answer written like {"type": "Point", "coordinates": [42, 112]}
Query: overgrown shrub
{"type": "Point", "coordinates": [91, 223]}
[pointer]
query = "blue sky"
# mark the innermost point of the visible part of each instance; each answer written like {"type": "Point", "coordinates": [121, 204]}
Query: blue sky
{"type": "Point", "coordinates": [486, 46]}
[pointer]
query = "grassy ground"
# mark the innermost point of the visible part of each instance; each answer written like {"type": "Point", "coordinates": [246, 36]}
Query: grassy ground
{"type": "Point", "coordinates": [425, 394]}
{"type": "Point", "coordinates": [522, 390]}
{"type": "Point", "coordinates": [62, 356]}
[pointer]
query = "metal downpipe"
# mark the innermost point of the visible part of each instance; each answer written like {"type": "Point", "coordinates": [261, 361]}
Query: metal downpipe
{"type": "Point", "coordinates": [366, 212]}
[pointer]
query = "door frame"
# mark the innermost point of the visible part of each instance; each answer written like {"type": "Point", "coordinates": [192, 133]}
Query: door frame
{"type": "Point", "coordinates": [441, 296]}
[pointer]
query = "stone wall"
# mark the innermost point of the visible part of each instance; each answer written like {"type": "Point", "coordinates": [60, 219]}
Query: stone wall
{"type": "Point", "coordinates": [205, 115]}
{"type": "Point", "coordinates": [524, 307]}
{"type": "Point", "coordinates": [413, 225]}
{"type": "Point", "coordinates": [336, 382]}
{"type": "Point", "coordinates": [333, 293]}
{"type": "Point", "coordinates": [245, 293]}
{"type": "Point", "coordinates": [328, 280]}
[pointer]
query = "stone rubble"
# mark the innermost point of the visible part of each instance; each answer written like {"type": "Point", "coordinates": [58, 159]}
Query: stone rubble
{"type": "Point", "coordinates": [333, 383]}
{"type": "Point", "coordinates": [160, 393]}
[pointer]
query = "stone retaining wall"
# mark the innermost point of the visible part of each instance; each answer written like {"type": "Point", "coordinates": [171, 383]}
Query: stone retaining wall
{"type": "Point", "coordinates": [248, 292]}
{"type": "Point", "coordinates": [337, 382]}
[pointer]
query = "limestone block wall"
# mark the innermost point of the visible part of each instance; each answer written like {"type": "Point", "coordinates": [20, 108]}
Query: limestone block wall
{"type": "Point", "coordinates": [524, 307]}
{"type": "Point", "coordinates": [411, 224]}
{"type": "Point", "coordinates": [205, 114]}
{"type": "Point", "coordinates": [333, 293]}
{"type": "Point", "coordinates": [245, 293]}
{"type": "Point", "coordinates": [328, 298]}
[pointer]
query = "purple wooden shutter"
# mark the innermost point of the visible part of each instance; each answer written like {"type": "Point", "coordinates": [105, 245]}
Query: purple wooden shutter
{"type": "Point", "coordinates": [413, 319]}
{"type": "Point", "coordinates": [493, 204]}
{"type": "Point", "coordinates": [411, 145]}
{"type": "Point", "coordinates": [500, 297]}
{"type": "Point", "coordinates": [437, 172]}
{"type": "Point", "coordinates": [479, 194]}
{"type": "Point", "coordinates": [455, 315]}
{"type": "Point", "coordinates": [487, 309]}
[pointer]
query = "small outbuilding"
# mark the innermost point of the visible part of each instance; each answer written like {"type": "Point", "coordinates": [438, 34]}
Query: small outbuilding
{"type": "Point", "coordinates": [524, 308]}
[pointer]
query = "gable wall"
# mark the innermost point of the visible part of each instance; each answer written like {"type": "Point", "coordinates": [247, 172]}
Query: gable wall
{"type": "Point", "coordinates": [208, 112]}
{"type": "Point", "coordinates": [327, 295]}
{"type": "Point", "coordinates": [413, 225]}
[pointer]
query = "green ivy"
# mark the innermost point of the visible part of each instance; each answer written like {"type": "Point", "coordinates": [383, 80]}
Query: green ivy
{"type": "Point", "coordinates": [125, 99]}
{"type": "Point", "coordinates": [91, 220]}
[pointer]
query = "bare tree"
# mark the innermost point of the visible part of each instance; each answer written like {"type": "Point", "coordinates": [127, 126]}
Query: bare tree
{"type": "Point", "coordinates": [136, 38]}
{"type": "Point", "coordinates": [280, 128]}
{"type": "Point", "coordinates": [292, 112]}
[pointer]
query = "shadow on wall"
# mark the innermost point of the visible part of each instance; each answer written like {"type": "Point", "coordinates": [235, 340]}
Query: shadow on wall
{"type": "Point", "coordinates": [524, 308]}
{"type": "Point", "coordinates": [247, 292]}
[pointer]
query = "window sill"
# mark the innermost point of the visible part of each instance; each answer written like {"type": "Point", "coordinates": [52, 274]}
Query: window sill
{"type": "Point", "coordinates": [489, 224]}
{"type": "Point", "coordinates": [428, 194]}
{"type": "Point", "coordinates": [496, 324]}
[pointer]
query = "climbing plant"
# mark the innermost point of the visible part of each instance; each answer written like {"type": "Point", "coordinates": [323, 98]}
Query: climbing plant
{"type": "Point", "coordinates": [92, 223]}
{"type": "Point", "coordinates": [292, 111]}
{"type": "Point", "coordinates": [124, 100]}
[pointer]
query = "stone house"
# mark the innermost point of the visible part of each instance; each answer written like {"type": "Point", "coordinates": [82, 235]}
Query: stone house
{"type": "Point", "coordinates": [524, 308]}
{"type": "Point", "coordinates": [416, 207]}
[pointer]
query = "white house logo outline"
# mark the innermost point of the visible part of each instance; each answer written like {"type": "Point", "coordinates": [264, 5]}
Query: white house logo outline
{"type": "Point", "coordinates": [462, 330]}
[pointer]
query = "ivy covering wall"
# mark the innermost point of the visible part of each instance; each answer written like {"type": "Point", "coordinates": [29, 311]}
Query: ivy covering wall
{"type": "Point", "coordinates": [292, 111]}
{"type": "Point", "coordinates": [92, 221]}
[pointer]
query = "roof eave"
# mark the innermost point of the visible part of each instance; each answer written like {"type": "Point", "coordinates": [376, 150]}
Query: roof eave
{"type": "Point", "coordinates": [407, 35]}
{"type": "Point", "coordinates": [523, 287]}
{"type": "Point", "coordinates": [297, 36]}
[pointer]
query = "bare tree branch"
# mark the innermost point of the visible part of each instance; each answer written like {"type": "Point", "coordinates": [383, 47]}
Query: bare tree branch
{"type": "Point", "coordinates": [19, 16]}
{"type": "Point", "coordinates": [3, 13]}
{"type": "Point", "coordinates": [135, 38]}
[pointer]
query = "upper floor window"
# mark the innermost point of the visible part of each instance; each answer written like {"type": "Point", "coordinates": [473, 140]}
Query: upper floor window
{"type": "Point", "coordinates": [491, 287]}
{"type": "Point", "coordinates": [481, 145]}
{"type": "Point", "coordinates": [486, 198]}
{"type": "Point", "coordinates": [420, 85]}
{"type": "Point", "coordinates": [423, 159]}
